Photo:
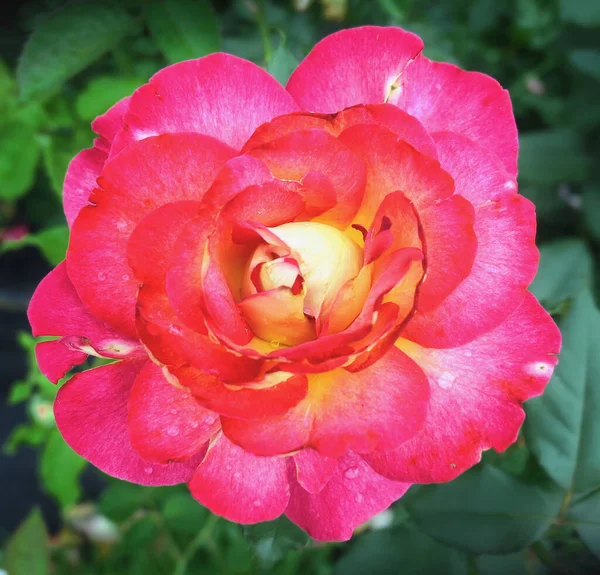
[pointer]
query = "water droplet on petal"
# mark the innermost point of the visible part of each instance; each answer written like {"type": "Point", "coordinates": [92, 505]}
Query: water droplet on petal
{"type": "Point", "coordinates": [195, 424]}
{"type": "Point", "coordinates": [256, 503]}
{"type": "Point", "coordinates": [237, 474]}
{"type": "Point", "coordinates": [175, 330]}
{"type": "Point", "coordinates": [446, 380]}
{"type": "Point", "coordinates": [148, 470]}
{"type": "Point", "coordinates": [351, 473]}
{"type": "Point", "coordinates": [359, 498]}
{"type": "Point", "coordinates": [210, 419]}
{"type": "Point", "coordinates": [101, 276]}
{"type": "Point", "coordinates": [173, 431]}
{"type": "Point", "coordinates": [173, 412]}
{"type": "Point", "coordinates": [125, 277]}
{"type": "Point", "coordinates": [468, 354]}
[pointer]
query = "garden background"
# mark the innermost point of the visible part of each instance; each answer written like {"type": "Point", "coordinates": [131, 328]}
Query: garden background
{"type": "Point", "coordinates": [533, 509]}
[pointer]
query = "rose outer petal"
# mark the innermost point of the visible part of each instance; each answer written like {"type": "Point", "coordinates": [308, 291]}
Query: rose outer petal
{"type": "Point", "coordinates": [91, 414]}
{"type": "Point", "coordinates": [219, 95]}
{"type": "Point", "coordinates": [357, 66]}
{"type": "Point", "coordinates": [240, 486]}
{"type": "Point", "coordinates": [476, 395]}
{"type": "Point", "coordinates": [352, 496]}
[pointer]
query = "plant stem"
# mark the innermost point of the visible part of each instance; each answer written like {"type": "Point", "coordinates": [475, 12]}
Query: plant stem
{"type": "Point", "coordinates": [195, 544]}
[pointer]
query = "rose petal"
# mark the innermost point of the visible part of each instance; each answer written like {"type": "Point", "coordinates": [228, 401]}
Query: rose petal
{"type": "Point", "coordinates": [351, 497]}
{"type": "Point", "coordinates": [476, 395]}
{"type": "Point", "coordinates": [357, 66]}
{"type": "Point", "coordinates": [383, 405]}
{"type": "Point", "coordinates": [91, 414]}
{"type": "Point", "coordinates": [219, 95]}
{"type": "Point", "coordinates": [313, 470]}
{"type": "Point", "coordinates": [165, 422]}
{"type": "Point", "coordinates": [240, 486]}
{"type": "Point", "coordinates": [159, 170]}
{"type": "Point", "coordinates": [444, 97]}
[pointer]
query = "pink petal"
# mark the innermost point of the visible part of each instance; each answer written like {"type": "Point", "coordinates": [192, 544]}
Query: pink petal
{"type": "Point", "coordinates": [108, 124]}
{"type": "Point", "coordinates": [239, 486]}
{"type": "Point", "coordinates": [80, 181]}
{"type": "Point", "coordinates": [220, 95]}
{"type": "Point", "coordinates": [445, 98]}
{"type": "Point", "coordinates": [478, 174]}
{"type": "Point", "coordinates": [382, 405]}
{"type": "Point", "coordinates": [351, 497]}
{"type": "Point", "coordinates": [166, 423]}
{"type": "Point", "coordinates": [357, 66]}
{"type": "Point", "coordinates": [55, 309]}
{"type": "Point", "coordinates": [505, 264]}
{"type": "Point", "coordinates": [55, 359]}
{"type": "Point", "coordinates": [91, 414]}
{"type": "Point", "coordinates": [160, 170]}
{"type": "Point", "coordinates": [476, 395]}
{"type": "Point", "coordinates": [313, 470]}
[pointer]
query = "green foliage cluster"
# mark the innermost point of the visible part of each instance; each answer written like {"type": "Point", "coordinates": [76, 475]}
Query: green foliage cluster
{"type": "Point", "coordinates": [534, 509]}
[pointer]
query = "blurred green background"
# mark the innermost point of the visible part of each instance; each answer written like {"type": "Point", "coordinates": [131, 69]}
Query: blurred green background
{"type": "Point", "coordinates": [534, 509]}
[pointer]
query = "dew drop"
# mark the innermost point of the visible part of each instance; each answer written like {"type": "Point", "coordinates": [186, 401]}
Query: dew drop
{"type": "Point", "coordinates": [446, 380]}
{"type": "Point", "coordinates": [125, 277]}
{"type": "Point", "coordinates": [351, 473]}
{"type": "Point", "coordinates": [468, 354]}
{"type": "Point", "coordinates": [173, 412]}
{"type": "Point", "coordinates": [121, 225]}
{"type": "Point", "coordinates": [148, 470]}
{"type": "Point", "coordinates": [195, 424]}
{"type": "Point", "coordinates": [359, 498]}
{"type": "Point", "coordinates": [237, 474]}
{"type": "Point", "coordinates": [101, 276]}
{"type": "Point", "coordinates": [256, 503]}
{"type": "Point", "coordinates": [210, 419]}
{"type": "Point", "coordinates": [173, 431]}
{"type": "Point", "coordinates": [175, 330]}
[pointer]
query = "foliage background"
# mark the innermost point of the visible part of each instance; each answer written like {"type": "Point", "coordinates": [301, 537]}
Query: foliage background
{"type": "Point", "coordinates": [534, 509]}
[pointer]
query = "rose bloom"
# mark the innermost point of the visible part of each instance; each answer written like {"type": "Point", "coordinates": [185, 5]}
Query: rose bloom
{"type": "Point", "coordinates": [315, 296]}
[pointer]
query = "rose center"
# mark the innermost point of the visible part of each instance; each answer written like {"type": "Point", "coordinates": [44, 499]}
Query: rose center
{"type": "Point", "coordinates": [301, 277]}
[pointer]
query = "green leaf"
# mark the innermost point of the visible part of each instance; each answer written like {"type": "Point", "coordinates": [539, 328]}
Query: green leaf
{"type": "Point", "coordinates": [60, 469]}
{"type": "Point", "coordinates": [562, 427]}
{"type": "Point", "coordinates": [182, 514]}
{"type": "Point", "coordinates": [19, 153]}
{"type": "Point", "coordinates": [19, 392]}
{"type": "Point", "coordinates": [67, 41]}
{"type": "Point", "coordinates": [485, 511]}
{"type": "Point", "coordinates": [400, 550]}
{"type": "Point", "coordinates": [521, 563]}
{"type": "Point", "coordinates": [282, 64]}
{"type": "Point", "coordinates": [28, 551]}
{"type": "Point", "coordinates": [586, 61]}
{"type": "Point", "coordinates": [581, 12]}
{"type": "Point", "coordinates": [30, 435]}
{"type": "Point", "coordinates": [590, 208]}
{"type": "Point", "coordinates": [52, 242]}
{"type": "Point", "coordinates": [552, 157]}
{"type": "Point", "coordinates": [565, 271]}
{"type": "Point", "coordinates": [183, 29]}
{"type": "Point", "coordinates": [586, 514]}
{"type": "Point", "coordinates": [104, 91]}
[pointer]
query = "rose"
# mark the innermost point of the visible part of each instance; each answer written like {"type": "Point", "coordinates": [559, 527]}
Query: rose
{"type": "Point", "coordinates": [316, 297]}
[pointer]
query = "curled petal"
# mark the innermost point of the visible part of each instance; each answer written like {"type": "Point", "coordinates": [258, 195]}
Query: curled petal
{"type": "Point", "coordinates": [243, 402]}
{"type": "Point", "coordinates": [313, 470]}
